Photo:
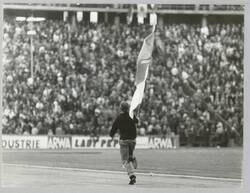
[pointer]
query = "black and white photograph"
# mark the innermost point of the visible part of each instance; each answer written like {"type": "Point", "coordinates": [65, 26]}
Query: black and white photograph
{"type": "Point", "coordinates": [131, 97]}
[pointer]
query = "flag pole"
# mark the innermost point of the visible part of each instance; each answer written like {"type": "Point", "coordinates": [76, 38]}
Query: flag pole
{"type": "Point", "coordinates": [153, 29]}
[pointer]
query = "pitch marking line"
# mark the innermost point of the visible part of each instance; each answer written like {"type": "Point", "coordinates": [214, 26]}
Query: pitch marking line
{"type": "Point", "coordinates": [120, 172]}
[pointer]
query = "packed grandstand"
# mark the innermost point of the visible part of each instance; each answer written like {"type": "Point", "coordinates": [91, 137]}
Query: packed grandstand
{"type": "Point", "coordinates": [83, 71]}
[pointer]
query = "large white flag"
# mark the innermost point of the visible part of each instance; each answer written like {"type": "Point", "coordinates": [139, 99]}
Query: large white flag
{"type": "Point", "coordinates": [143, 61]}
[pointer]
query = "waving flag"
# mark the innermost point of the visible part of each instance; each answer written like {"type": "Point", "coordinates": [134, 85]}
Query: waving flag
{"type": "Point", "coordinates": [130, 15]}
{"type": "Point", "coordinates": [143, 61]}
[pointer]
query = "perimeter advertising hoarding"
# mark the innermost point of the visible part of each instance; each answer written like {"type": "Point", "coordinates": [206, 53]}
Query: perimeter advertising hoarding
{"type": "Point", "coordinates": [153, 142]}
{"type": "Point", "coordinates": [24, 142]}
{"type": "Point", "coordinates": [84, 142]}
{"type": "Point", "coordinates": [167, 142]}
{"type": "Point", "coordinates": [59, 142]}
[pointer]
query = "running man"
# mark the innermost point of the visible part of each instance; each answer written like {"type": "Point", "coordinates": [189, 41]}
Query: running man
{"type": "Point", "coordinates": [127, 130]}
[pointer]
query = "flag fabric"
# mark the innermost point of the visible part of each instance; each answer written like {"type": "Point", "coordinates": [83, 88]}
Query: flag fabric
{"type": "Point", "coordinates": [153, 18]}
{"type": "Point", "coordinates": [73, 25]}
{"type": "Point", "coordinates": [142, 10]}
{"type": "Point", "coordinates": [79, 16]}
{"type": "Point", "coordinates": [93, 17]}
{"type": "Point", "coordinates": [130, 15]}
{"type": "Point", "coordinates": [143, 61]}
{"type": "Point", "coordinates": [65, 15]}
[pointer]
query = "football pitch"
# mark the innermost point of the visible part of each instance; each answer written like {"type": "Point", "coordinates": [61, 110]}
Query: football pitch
{"type": "Point", "coordinates": [100, 169]}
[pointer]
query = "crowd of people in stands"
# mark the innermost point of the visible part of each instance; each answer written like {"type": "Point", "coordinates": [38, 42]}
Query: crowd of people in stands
{"type": "Point", "coordinates": [82, 72]}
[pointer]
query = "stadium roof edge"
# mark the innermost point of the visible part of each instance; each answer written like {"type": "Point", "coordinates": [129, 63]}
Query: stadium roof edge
{"type": "Point", "coordinates": [217, 2]}
{"type": "Point", "coordinates": [121, 10]}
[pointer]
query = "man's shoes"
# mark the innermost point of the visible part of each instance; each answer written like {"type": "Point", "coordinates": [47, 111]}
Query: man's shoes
{"type": "Point", "coordinates": [132, 180]}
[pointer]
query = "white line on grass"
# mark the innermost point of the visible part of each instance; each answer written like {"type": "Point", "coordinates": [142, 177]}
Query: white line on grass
{"type": "Point", "coordinates": [120, 172]}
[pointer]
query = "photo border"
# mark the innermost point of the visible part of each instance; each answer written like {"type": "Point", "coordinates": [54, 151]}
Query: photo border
{"type": "Point", "coordinates": [246, 137]}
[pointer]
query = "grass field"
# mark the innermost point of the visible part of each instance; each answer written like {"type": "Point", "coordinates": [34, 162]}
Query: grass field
{"type": "Point", "coordinates": [101, 169]}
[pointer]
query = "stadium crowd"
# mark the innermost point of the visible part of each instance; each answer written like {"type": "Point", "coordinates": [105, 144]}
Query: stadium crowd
{"type": "Point", "coordinates": [82, 72]}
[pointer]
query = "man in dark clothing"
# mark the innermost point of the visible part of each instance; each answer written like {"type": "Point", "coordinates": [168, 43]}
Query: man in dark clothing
{"type": "Point", "coordinates": [127, 130]}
